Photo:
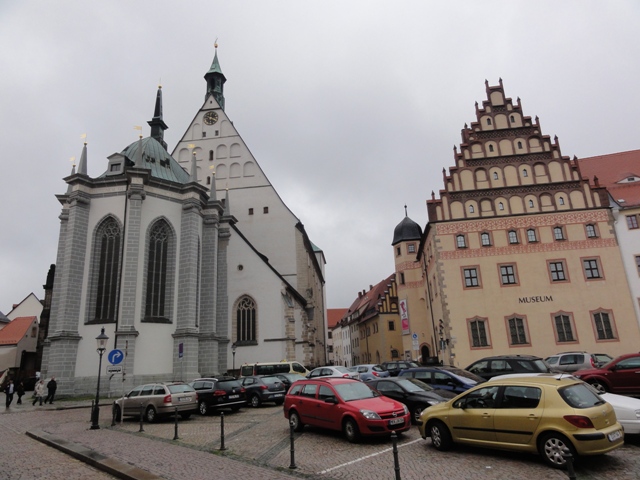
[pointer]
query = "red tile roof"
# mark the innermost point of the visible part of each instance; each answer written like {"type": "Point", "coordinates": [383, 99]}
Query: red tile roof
{"type": "Point", "coordinates": [611, 170]}
{"type": "Point", "coordinates": [16, 330]}
{"type": "Point", "coordinates": [334, 315]}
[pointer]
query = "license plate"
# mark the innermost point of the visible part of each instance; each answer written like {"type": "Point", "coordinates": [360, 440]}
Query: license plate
{"type": "Point", "coordinates": [396, 421]}
{"type": "Point", "coordinates": [234, 396]}
{"type": "Point", "coordinates": [278, 395]}
{"type": "Point", "coordinates": [615, 436]}
{"type": "Point", "coordinates": [184, 399]}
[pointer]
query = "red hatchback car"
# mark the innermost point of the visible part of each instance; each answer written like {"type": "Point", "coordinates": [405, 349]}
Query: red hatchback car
{"type": "Point", "coordinates": [620, 375]}
{"type": "Point", "coordinates": [345, 405]}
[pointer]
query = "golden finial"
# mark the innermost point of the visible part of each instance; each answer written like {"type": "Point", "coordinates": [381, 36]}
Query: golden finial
{"type": "Point", "coordinates": [216, 43]}
{"type": "Point", "coordinates": [160, 83]}
{"type": "Point", "coordinates": [139, 128]}
{"type": "Point", "coordinates": [73, 161]}
{"type": "Point", "coordinates": [191, 146]}
{"type": "Point", "coordinates": [212, 168]}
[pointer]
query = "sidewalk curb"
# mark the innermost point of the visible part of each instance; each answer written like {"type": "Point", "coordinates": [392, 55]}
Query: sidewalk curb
{"type": "Point", "coordinates": [91, 457]}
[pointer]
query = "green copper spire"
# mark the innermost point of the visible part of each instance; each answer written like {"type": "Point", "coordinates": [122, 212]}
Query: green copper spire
{"type": "Point", "coordinates": [215, 80]}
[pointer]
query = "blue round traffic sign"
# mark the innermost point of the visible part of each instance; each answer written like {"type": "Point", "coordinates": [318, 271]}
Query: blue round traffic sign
{"type": "Point", "coordinates": [115, 357]}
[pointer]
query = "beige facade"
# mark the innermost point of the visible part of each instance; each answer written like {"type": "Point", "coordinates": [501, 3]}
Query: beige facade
{"type": "Point", "coordinates": [520, 253]}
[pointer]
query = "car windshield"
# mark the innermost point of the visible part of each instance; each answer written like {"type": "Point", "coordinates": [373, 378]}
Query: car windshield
{"type": "Point", "coordinates": [580, 395]}
{"type": "Point", "coordinates": [271, 380]}
{"type": "Point", "coordinates": [231, 383]}
{"type": "Point", "coordinates": [342, 369]}
{"type": "Point", "coordinates": [182, 388]}
{"type": "Point", "coordinates": [413, 385]}
{"type": "Point", "coordinates": [466, 376]}
{"type": "Point", "coordinates": [377, 368]}
{"type": "Point", "coordinates": [355, 391]}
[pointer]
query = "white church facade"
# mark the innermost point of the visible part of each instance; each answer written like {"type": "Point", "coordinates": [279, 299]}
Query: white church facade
{"type": "Point", "coordinates": [179, 263]}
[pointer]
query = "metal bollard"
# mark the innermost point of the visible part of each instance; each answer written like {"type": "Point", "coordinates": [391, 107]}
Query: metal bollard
{"type": "Point", "coordinates": [141, 417]}
{"type": "Point", "coordinates": [396, 462]}
{"type": "Point", "coordinates": [175, 434]}
{"type": "Point", "coordinates": [293, 451]}
{"type": "Point", "coordinates": [571, 473]}
{"type": "Point", "coordinates": [93, 402]}
{"type": "Point", "coordinates": [222, 447]}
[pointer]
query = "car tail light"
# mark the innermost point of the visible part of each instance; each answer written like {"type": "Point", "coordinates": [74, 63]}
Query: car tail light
{"type": "Point", "coordinates": [243, 390]}
{"type": "Point", "coordinates": [346, 375]}
{"type": "Point", "coordinates": [264, 387]}
{"type": "Point", "coordinates": [167, 399]}
{"type": "Point", "coordinates": [196, 396]}
{"type": "Point", "coordinates": [375, 373]}
{"type": "Point", "coordinates": [593, 364]}
{"type": "Point", "coordinates": [579, 421]}
{"type": "Point", "coordinates": [219, 393]}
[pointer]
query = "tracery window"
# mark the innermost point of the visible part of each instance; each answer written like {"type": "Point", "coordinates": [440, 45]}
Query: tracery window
{"type": "Point", "coordinates": [157, 271]}
{"type": "Point", "coordinates": [246, 320]}
{"type": "Point", "coordinates": [109, 263]}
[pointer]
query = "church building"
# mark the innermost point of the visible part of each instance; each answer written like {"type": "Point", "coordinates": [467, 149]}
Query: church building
{"type": "Point", "coordinates": [191, 261]}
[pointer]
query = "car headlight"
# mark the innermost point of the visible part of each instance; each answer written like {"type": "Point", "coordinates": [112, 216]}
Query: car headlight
{"type": "Point", "coordinates": [433, 402]}
{"type": "Point", "coordinates": [406, 410]}
{"type": "Point", "coordinates": [638, 414]}
{"type": "Point", "coordinates": [371, 415]}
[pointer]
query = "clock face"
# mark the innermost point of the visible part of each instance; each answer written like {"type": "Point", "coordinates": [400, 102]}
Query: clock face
{"type": "Point", "coordinates": [210, 118]}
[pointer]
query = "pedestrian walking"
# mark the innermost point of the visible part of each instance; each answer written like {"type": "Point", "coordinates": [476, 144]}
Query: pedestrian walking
{"type": "Point", "coordinates": [51, 390]}
{"type": "Point", "coordinates": [20, 392]}
{"type": "Point", "coordinates": [39, 392]}
{"type": "Point", "coordinates": [8, 391]}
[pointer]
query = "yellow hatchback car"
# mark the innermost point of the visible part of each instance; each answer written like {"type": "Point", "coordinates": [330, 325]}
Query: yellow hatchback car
{"type": "Point", "coordinates": [547, 415]}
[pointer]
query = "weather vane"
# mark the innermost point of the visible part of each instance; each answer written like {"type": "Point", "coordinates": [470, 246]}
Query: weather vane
{"type": "Point", "coordinates": [139, 128]}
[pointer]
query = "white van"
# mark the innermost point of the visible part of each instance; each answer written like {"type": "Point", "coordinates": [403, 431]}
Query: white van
{"type": "Point", "coordinates": [269, 368]}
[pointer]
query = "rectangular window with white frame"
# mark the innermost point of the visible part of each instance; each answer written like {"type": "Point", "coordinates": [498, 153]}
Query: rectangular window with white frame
{"type": "Point", "coordinates": [471, 277]}
{"type": "Point", "coordinates": [557, 271]}
{"type": "Point", "coordinates": [592, 269]}
{"type": "Point", "coordinates": [508, 274]}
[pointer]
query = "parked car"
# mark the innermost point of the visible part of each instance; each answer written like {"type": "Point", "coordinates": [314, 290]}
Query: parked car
{"type": "Point", "coordinates": [158, 400]}
{"type": "Point", "coordinates": [328, 371]}
{"type": "Point", "coordinates": [603, 358]}
{"type": "Point", "coordinates": [444, 377]}
{"type": "Point", "coordinates": [346, 405]}
{"type": "Point", "coordinates": [621, 375]}
{"type": "Point", "coordinates": [217, 393]}
{"type": "Point", "coordinates": [415, 394]}
{"type": "Point", "coordinates": [264, 389]}
{"type": "Point", "coordinates": [533, 414]}
{"type": "Point", "coordinates": [572, 361]}
{"type": "Point", "coordinates": [369, 372]}
{"type": "Point", "coordinates": [627, 408]}
{"type": "Point", "coordinates": [503, 364]}
{"type": "Point", "coordinates": [394, 367]}
{"type": "Point", "coordinates": [289, 378]}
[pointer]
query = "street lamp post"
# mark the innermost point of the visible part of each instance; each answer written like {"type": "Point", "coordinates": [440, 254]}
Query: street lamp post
{"type": "Point", "coordinates": [102, 346]}
{"type": "Point", "coordinates": [233, 353]}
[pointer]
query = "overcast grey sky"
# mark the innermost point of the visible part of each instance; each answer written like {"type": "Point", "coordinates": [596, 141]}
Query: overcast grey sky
{"type": "Point", "coordinates": [352, 108]}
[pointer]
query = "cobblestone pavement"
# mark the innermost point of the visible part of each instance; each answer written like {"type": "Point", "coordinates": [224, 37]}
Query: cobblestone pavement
{"type": "Point", "coordinates": [258, 445]}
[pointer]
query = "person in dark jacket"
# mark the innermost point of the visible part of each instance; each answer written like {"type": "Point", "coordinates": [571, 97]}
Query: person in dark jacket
{"type": "Point", "coordinates": [51, 390]}
{"type": "Point", "coordinates": [9, 390]}
{"type": "Point", "coordinates": [20, 392]}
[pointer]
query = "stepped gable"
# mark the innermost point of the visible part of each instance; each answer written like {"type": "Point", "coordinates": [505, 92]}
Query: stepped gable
{"type": "Point", "coordinates": [505, 165]}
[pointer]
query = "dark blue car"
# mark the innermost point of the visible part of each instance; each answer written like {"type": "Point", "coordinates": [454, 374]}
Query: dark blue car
{"type": "Point", "coordinates": [447, 378]}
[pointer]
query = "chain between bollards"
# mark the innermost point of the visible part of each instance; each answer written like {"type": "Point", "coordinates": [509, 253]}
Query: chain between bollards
{"type": "Point", "coordinates": [293, 450]}
{"type": "Point", "coordinates": [141, 417]}
{"type": "Point", "coordinates": [396, 462]}
{"type": "Point", "coordinates": [222, 447]}
{"type": "Point", "coordinates": [175, 432]}
{"type": "Point", "coordinates": [571, 473]}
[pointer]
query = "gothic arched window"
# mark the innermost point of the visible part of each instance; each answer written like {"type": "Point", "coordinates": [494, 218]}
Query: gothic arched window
{"type": "Point", "coordinates": [108, 248]}
{"type": "Point", "coordinates": [246, 321]}
{"type": "Point", "coordinates": [157, 265]}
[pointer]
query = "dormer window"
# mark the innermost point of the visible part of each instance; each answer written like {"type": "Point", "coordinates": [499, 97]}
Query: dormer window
{"type": "Point", "coordinates": [115, 167]}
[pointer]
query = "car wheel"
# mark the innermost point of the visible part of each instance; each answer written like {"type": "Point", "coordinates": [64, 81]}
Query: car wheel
{"type": "Point", "coordinates": [255, 401]}
{"type": "Point", "coordinates": [350, 429]}
{"type": "Point", "coordinates": [440, 436]}
{"type": "Point", "coordinates": [415, 415]}
{"type": "Point", "coordinates": [599, 386]}
{"type": "Point", "coordinates": [185, 416]}
{"type": "Point", "coordinates": [117, 414]}
{"type": "Point", "coordinates": [203, 408]}
{"type": "Point", "coordinates": [150, 415]}
{"type": "Point", "coordinates": [295, 422]}
{"type": "Point", "coordinates": [553, 447]}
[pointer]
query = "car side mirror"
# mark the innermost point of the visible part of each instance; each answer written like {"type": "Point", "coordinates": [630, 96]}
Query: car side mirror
{"type": "Point", "coordinates": [331, 400]}
{"type": "Point", "coordinates": [462, 403]}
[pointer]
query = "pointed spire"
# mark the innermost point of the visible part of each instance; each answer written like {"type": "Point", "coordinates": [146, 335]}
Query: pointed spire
{"type": "Point", "coordinates": [82, 166]}
{"type": "Point", "coordinates": [157, 123]}
{"type": "Point", "coordinates": [194, 168]}
{"type": "Point", "coordinates": [212, 194]}
{"type": "Point", "coordinates": [215, 80]}
{"type": "Point", "coordinates": [138, 160]}
{"type": "Point", "coordinates": [227, 209]}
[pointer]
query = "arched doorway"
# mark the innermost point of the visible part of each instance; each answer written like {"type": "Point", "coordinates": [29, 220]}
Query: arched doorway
{"type": "Point", "coordinates": [424, 354]}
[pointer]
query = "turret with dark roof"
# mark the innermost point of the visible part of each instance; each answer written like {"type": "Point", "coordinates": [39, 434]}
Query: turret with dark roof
{"type": "Point", "coordinates": [157, 123]}
{"type": "Point", "coordinates": [406, 230]}
{"type": "Point", "coordinates": [215, 81]}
